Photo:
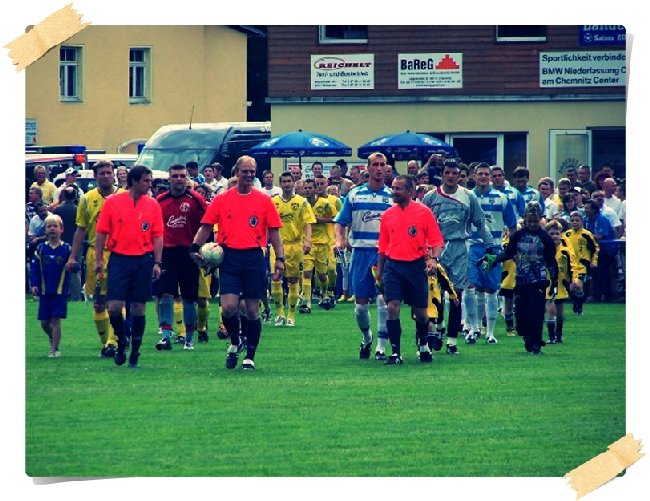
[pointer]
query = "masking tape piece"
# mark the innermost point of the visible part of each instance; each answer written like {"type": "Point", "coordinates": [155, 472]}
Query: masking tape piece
{"type": "Point", "coordinates": [51, 31]}
{"type": "Point", "coordinates": [599, 470]}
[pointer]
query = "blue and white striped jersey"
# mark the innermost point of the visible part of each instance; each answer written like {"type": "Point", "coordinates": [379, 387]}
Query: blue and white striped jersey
{"type": "Point", "coordinates": [499, 214]}
{"type": "Point", "coordinates": [362, 210]}
{"type": "Point", "coordinates": [531, 193]}
{"type": "Point", "coordinates": [515, 197]}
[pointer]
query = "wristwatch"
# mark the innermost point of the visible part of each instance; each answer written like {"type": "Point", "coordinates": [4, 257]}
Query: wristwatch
{"type": "Point", "coordinates": [278, 258]}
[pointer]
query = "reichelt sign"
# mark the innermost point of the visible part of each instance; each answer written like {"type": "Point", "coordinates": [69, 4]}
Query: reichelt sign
{"type": "Point", "coordinates": [343, 71]}
{"type": "Point", "coordinates": [430, 71]}
{"type": "Point", "coordinates": [606, 68]}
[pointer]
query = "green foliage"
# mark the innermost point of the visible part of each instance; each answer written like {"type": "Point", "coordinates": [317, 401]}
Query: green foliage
{"type": "Point", "coordinates": [312, 408]}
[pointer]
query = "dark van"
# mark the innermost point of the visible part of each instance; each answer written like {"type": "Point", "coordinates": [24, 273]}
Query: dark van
{"type": "Point", "coordinates": [205, 143]}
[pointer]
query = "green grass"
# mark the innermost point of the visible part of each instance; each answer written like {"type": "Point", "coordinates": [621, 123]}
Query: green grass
{"type": "Point", "coordinates": [314, 409]}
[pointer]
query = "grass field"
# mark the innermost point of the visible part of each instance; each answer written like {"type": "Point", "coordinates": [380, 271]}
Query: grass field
{"type": "Point", "coordinates": [314, 409]}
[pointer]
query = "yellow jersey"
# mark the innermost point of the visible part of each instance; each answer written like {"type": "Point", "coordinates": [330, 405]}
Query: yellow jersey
{"type": "Point", "coordinates": [90, 205]}
{"type": "Point", "coordinates": [322, 207]}
{"type": "Point", "coordinates": [295, 213]}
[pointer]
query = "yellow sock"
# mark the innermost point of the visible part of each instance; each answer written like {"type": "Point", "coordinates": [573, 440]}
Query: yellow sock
{"type": "Point", "coordinates": [202, 314]}
{"type": "Point", "coordinates": [331, 282]}
{"type": "Point", "coordinates": [277, 295]}
{"type": "Point", "coordinates": [306, 291]}
{"type": "Point", "coordinates": [179, 326]}
{"type": "Point", "coordinates": [104, 329]}
{"type": "Point", "coordinates": [293, 300]}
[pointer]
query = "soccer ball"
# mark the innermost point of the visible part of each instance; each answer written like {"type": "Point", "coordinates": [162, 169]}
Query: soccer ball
{"type": "Point", "coordinates": [212, 252]}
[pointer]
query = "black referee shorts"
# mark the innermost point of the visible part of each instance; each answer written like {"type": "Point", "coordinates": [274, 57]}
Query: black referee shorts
{"type": "Point", "coordinates": [129, 278]}
{"type": "Point", "coordinates": [243, 272]}
{"type": "Point", "coordinates": [406, 281]}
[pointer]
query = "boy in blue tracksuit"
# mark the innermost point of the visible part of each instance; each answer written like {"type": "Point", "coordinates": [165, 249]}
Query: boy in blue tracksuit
{"type": "Point", "coordinates": [50, 281]}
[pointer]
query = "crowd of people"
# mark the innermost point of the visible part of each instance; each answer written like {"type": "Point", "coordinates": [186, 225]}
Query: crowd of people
{"type": "Point", "coordinates": [441, 236]}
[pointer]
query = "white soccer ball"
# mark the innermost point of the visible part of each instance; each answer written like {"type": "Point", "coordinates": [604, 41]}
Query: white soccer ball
{"type": "Point", "coordinates": [212, 252]}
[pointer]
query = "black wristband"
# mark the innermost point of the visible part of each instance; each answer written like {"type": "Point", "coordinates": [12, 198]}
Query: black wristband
{"type": "Point", "coordinates": [195, 248]}
{"type": "Point", "coordinates": [159, 263]}
{"type": "Point", "coordinates": [279, 259]}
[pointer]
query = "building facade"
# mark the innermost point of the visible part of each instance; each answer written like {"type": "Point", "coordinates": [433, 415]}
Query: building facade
{"type": "Point", "coordinates": [547, 97]}
{"type": "Point", "coordinates": [113, 86]}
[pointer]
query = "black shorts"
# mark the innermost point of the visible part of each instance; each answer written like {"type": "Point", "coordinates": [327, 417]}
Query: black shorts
{"type": "Point", "coordinates": [178, 270]}
{"type": "Point", "coordinates": [406, 281]}
{"type": "Point", "coordinates": [243, 272]}
{"type": "Point", "coordinates": [129, 278]}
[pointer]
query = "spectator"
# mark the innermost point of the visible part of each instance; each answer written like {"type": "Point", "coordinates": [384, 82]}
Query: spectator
{"type": "Point", "coordinates": [193, 172]}
{"type": "Point", "coordinates": [41, 181]}
{"type": "Point", "coordinates": [545, 188]}
{"type": "Point", "coordinates": [70, 181]}
{"type": "Point", "coordinates": [267, 184]}
{"type": "Point", "coordinates": [610, 214]}
{"type": "Point", "coordinates": [611, 200]}
{"type": "Point", "coordinates": [572, 176]}
{"type": "Point", "coordinates": [35, 196]}
{"type": "Point", "coordinates": [604, 233]}
{"type": "Point", "coordinates": [520, 176]}
{"type": "Point", "coordinates": [584, 179]}
{"type": "Point", "coordinates": [121, 173]}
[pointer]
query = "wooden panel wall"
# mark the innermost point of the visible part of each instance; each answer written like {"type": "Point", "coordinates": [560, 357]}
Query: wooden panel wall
{"type": "Point", "coordinates": [489, 68]}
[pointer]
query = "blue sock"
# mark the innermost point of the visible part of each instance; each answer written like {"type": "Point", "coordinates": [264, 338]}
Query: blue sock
{"type": "Point", "coordinates": [166, 307]}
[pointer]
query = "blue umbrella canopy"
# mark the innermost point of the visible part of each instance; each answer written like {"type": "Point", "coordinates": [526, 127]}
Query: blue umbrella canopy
{"type": "Point", "coordinates": [301, 144]}
{"type": "Point", "coordinates": [406, 145]}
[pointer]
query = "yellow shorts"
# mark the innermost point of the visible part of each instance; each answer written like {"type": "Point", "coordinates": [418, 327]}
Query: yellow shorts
{"type": "Point", "coordinates": [204, 284]}
{"type": "Point", "coordinates": [318, 258]}
{"type": "Point", "coordinates": [433, 301]}
{"type": "Point", "coordinates": [508, 275]}
{"type": "Point", "coordinates": [91, 278]}
{"type": "Point", "coordinates": [293, 256]}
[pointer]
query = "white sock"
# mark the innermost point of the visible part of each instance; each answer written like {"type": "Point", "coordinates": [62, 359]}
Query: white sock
{"type": "Point", "coordinates": [480, 308]}
{"type": "Point", "coordinates": [469, 299]}
{"type": "Point", "coordinates": [382, 313]}
{"type": "Point", "coordinates": [491, 311]}
{"type": "Point", "coordinates": [362, 315]}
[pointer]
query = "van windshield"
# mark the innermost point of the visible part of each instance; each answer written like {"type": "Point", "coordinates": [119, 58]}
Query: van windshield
{"type": "Point", "coordinates": [162, 159]}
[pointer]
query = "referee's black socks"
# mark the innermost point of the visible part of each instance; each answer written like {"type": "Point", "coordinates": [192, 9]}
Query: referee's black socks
{"type": "Point", "coordinates": [394, 328]}
{"type": "Point", "coordinates": [254, 329]}
{"type": "Point", "coordinates": [117, 322]}
{"type": "Point", "coordinates": [137, 332]}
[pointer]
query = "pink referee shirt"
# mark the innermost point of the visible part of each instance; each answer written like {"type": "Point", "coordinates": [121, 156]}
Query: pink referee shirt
{"type": "Point", "coordinates": [407, 234]}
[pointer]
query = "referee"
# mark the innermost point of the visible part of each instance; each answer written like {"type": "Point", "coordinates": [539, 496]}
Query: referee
{"type": "Point", "coordinates": [410, 243]}
{"type": "Point", "coordinates": [130, 226]}
{"type": "Point", "coordinates": [246, 217]}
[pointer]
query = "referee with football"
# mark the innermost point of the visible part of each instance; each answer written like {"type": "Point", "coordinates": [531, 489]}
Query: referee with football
{"type": "Point", "coordinates": [246, 218]}
{"type": "Point", "coordinates": [410, 243]}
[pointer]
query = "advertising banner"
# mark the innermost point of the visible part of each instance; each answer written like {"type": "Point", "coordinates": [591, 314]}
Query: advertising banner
{"type": "Point", "coordinates": [430, 71]}
{"type": "Point", "coordinates": [342, 71]}
{"type": "Point", "coordinates": [582, 69]}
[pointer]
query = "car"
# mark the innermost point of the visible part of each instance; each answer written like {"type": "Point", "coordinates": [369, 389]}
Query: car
{"type": "Point", "coordinates": [119, 159]}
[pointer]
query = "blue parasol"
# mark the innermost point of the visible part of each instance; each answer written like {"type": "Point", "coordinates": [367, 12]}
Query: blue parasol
{"type": "Point", "coordinates": [301, 144]}
{"type": "Point", "coordinates": [406, 145]}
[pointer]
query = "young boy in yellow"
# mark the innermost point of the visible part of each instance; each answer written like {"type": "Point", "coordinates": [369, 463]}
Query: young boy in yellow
{"type": "Point", "coordinates": [586, 249]}
{"type": "Point", "coordinates": [567, 281]}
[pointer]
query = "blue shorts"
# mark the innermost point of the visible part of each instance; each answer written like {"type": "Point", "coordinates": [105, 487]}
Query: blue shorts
{"type": "Point", "coordinates": [129, 278]}
{"type": "Point", "coordinates": [360, 281]}
{"type": "Point", "coordinates": [406, 281]}
{"type": "Point", "coordinates": [52, 306]}
{"type": "Point", "coordinates": [490, 281]}
{"type": "Point", "coordinates": [243, 272]}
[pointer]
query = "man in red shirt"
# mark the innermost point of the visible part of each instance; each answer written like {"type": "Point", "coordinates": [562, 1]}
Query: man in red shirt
{"type": "Point", "coordinates": [182, 209]}
{"type": "Point", "coordinates": [130, 226]}
{"type": "Point", "coordinates": [410, 243]}
{"type": "Point", "coordinates": [246, 217]}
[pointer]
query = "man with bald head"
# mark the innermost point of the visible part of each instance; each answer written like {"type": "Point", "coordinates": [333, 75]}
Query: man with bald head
{"type": "Point", "coordinates": [611, 200]}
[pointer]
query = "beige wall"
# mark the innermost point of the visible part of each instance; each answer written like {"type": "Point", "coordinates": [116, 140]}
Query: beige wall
{"type": "Point", "coordinates": [356, 124]}
{"type": "Point", "coordinates": [198, 66]}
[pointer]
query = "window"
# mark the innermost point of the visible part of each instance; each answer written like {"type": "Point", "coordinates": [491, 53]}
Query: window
{"type": "Point", "coordinates": [70, 73]}
{"type": "Point", "coordinates": [343, 34]}
{"type": "Point", "coordinates": [139, 75]}
{"type": "Point", "coordinates": [527, 33]}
